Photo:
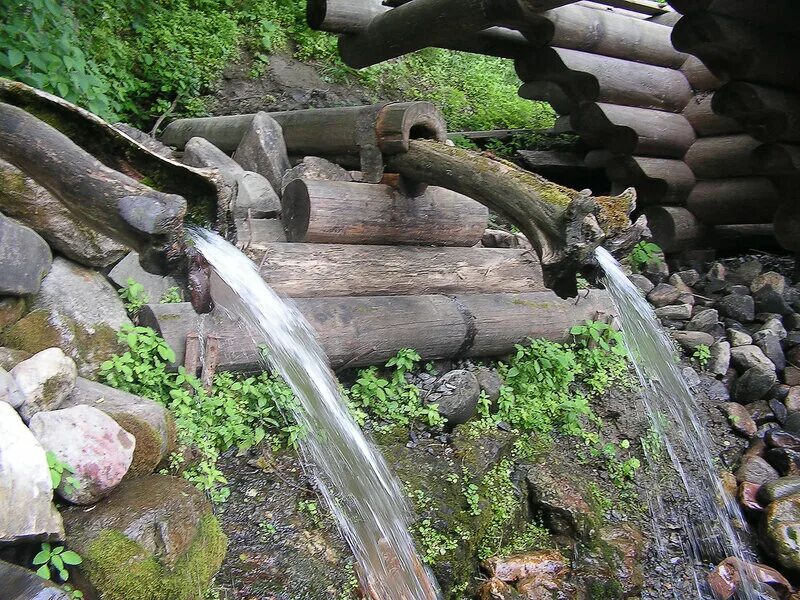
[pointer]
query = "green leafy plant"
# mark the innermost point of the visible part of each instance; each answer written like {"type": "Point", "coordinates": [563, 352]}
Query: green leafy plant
{"type": "Point", "coordinates": [171, 295]}
{"type": "Point", "coordinates": [597, 333]}
{"type": "Point", "coordinates": [56, 558]}
{"type": "Point", "coordinates": [702, 354]}
{"type": "Point", "coordinates": [644, 253]}
{"type": "Point", "coordinates": [311, 509]}
{"type": "Point", "coordinates": [134, 296]}
{"type": "Point", "coordinates": [61, 471]}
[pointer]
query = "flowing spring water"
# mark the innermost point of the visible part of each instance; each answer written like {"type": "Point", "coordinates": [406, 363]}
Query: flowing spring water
{"type": "Point", "coordinates": [712, 529]}
{"type": "Point", "coordinates": [361, 492]}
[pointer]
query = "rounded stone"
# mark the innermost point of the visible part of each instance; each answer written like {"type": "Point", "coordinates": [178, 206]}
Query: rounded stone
{"type": "Point", "coordinates": [781, 531]}
{"type": "Point", "coordinates": [45, 379]}
{"type": "Point", "coordinates": [457, 396]}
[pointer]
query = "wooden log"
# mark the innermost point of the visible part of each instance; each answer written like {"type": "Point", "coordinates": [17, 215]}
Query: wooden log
{"type": "Point", "coordinates": [780, 15]}
{"type": "Point", "coordinates": [667, 19]}
{"type": "Point", "coordinates": [551, 92]}
{"type": "Point", "coordinates": [307, 270]}
{"type": "Point", "coordinates": [744, 237]}
{"type": "Point", "coordinates": [254, 233]}
{"type": "Point", "coordinates": [358, 332]}
{"type": "Point", "coordinates": [586, 77]}
{"type": "Point", "coordinates": [787, 225]}
{"type": "Point", "coordinates": [776, 159]}
{"type": "Point", "coordinates": [629, 130]}
{"type": "Point", "coordinates": [733, 49]}
{"type": "Point", "coordinates": [657, 180]}
{"type": "Point", "coordinates": [733, 201]}
{"type": "Point", "coordinates": [553, 161]}
{"type": "Point", "coordinates": [358, 213]}
{"type": "Point", "coordinates": [722, 156]}
{"type": "Point", "coordinates": [149, 221]}
{"type": "Point", "coordinates": [698, 75]}
{"type": "Point", "coordinates": [706, 122]}
{"type": "Point", "coordinates": [607, 33]}
{"type": "Point", "coordinates": [768, 114]}
{"type": "Point", "coordinates": [676, 229]}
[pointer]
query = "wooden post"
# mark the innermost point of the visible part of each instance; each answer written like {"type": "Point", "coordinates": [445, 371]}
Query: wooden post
{"type": "Point", "coordinates": [210, 360]}
{"type": "Point", "coordinates": [191, 360]}
{"type": "Point", "coordinates": [738, 200]}
{"type": "Point", "coordinates": [722, 156]}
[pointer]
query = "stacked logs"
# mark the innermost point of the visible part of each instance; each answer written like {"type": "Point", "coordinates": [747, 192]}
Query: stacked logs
{"type": "Point", "coordinates": [746, 114]}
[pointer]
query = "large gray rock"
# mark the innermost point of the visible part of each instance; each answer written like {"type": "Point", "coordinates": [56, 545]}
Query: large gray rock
{"type": "Point", "coordinates": [747, 357]}
{"type": "Point", "coordinates": [489, 382]}
{"type": "Point", "coordinates": [313, 167]}
{"type": "Point", "coordinates": [692, 339]}
{"type": "Point", "coordinates": [9, 390]}
{"type": "Point", "coordinates": [32, 205]}
{"type": "Point", "coordinates": [720, 360]}
{"type": "Point", "coordinates": [771, 347]}
{"type": "Point", "coordinates": [704, 320]}
{"type": "Point", "coordinates": [94, 446]}
{"type": "Point", "coordinates": [44, 380]}
{"type": "Point", "coordinates": [755, 469]}
{"type": "Point", "coordinates": [154, 285]}
{"type": "Point", "coordinates": [263, 150]}
{"type": "Point", "coordinates": [20, 583]}
{"type": "Point", "coordinates": [25, 258]}
{"type": "Point", "coordinates": [457, 396]}
{"type": "Point", "coordinates": [27, 512]}
{"type": "Point", "coordinates": [642, 283]}
{"type": "Point", "coordinates": [738, 338]}
{"type": "Point", "coordinates": [754, 384]}
{"type": "Point", "coordinates": [674, 312]}
{"type": "Point", "coordinates": [769, 300]}
{"type": "Point", "coordinates": [256, 233]}
{"type": "Point", "coordinates": [735, 306]}
{"type": "Point", "coordinates": [149, 422]}
{"type": "Point", "coordinates": [663, 294]}
{"type": "Point", "coordinates": [745, 273]}
{"type": "Point", "coordinates": [77, 310]}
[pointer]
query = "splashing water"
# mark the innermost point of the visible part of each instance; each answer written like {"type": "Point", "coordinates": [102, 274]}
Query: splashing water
{"type": "Point", "coordinates": [712, 529]}
{"type": "Point", "coordinates": [369, 506]}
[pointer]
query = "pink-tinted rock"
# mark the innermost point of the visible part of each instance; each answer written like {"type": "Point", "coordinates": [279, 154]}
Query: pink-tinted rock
{"type": "Point", "coordinates": [748, 493]}
{"type": "Point", "coordinates": [739, 418]}
{"type": "Point", "coordinates": [725, 579]}
{"type": "Point", "coordinates": [496, 589]}
{"type": "Point", "coordinates": [92, 444]}
{"type": "Point", "coordinates": [548, 564]}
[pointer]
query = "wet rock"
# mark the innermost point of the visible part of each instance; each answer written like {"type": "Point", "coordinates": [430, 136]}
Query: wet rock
{"type": "Point", "coordinates": [775, 326]}
{"type": "Point", "coordinates": [313, 167]}
{"type": "Point", "coordinates": [148, 422]}
{"type": "Point", "coordinates": [775, 280]}
{"type": "Point", "coordinates": [489, 382]}
{"type": "Point", "coordinates": [771, 347]}
{"type": "Point", "coordinates": [10, 357]}
{"type": "Point", "coordinates": [754, 384]}
{"type": "Point", "coordinates": [689, 277]}
{"type": "Point", "coordinates": [12, 309]}
{"type": "Point", "coordinates": [779, 488]}
{"type": "Point", "coordinates": [705, 321]}
{"type": "Point", "coordinates": [562, 507]}
{"type": "Point", "coordinates": [677, 312]}
{"type": "Point", "coordinates": [692, 339]}
{"type": "Point", "coordinates": [768, 300]}
{"type": "Point", "coordinates": [656, 270]}
{"type": "Point", "coordinates": [9, 390]}
{"type": "Point", "coordinates": [780, 528]}
{"type": "Point", "coordinates": [777, 438]}
{"type": "Point", "coordinates": [76, 310]}
{"type": "Point", "coordinates": [457, 396]}
{"type": "Point", "coordinates": [160, 528]}
{"type": "Point", "coordinates": [792, 424]}
{"type": "Point", "coordinates": [792, 400]}
{"type": "Point", "coordinates": [45, 379]}
{"type": "Point", "coordinates": [663, 294]}
{"type": "Point", "coordinates": [747, 497]}
{"type": "Point", "coordinates": [691, 377]}
{"type": "Point", "coordinates": [747, 357]}
{"type": "Point", "coordinates": [739, 418]}
{"type": "Point", "coordinates": [760, 412]}
{"type": "Point", "coordinates": [20, 583]}
{"type": "Point", "coordinates": [27, 512]}
{"type": "Point", "coordinates": [154, 285]}
{"type": "Point", "coordinates": [738, 338]}
{"type": "Point", "coordinates": [720, 359]}
{"type": "Point", "coordinates": [32, 205]}
{"type": "Point", "coordinates": [778, 409]}
{"type": "Point", "coordinates": [263, 150]}
{"type": "Point", "coordinates": [741, 308]}
{"type": "Point", "coordinates": [97, 449]}
{"type": "Point", "coordinates": [25, 258]}
{"type": "Point", "coordinates": [791, 375]}
{"type": "Point", "coordinates": [549, 565]}
{"type": "Point", "coordinates": [784, 460]}
{"type": "Point", "coordinates": [779, 391]}
{"type": "Point", "coordinates": [620, 549]}
{"type": "Point", "coordinates": [496, 589]}
{"type": "Point", "coordinates": [725, 580]}
{"type": "Point", "coordinates": [755, 470]}
{"type": "Point", "coordinates": [642, 283]}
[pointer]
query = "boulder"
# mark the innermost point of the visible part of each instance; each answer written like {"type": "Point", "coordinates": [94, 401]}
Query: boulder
{"type": "Point", "coordinates": [27, 512]}
{"type": "Point", "coordinates": [263, 150]}
{"type": "Point", "coordinates": [25, 258]}
{"type": "Point", "coordinates": [519, 567]}
{"type": "Point", "coordinates": [9, 390]}
{"type": "Point", "coordinates": [782, 487]}
{"type": "Point", "coordinates": [792, 400]}
{"type": "Point", "coordinates": [735, 306]}
{"type": "Point", "coordinates": [740, 419]}
{"type": "Point", "coordinates": [148, 422]}
{"type": "Point", "coordinates": [755, 470]}
{"type": "Point", "coordinates": [784, 460]}
{"type": "Point", "coordinates": [32, 205]}
{"type": "Point", "coordinates": [775, 326]}
{"type": "Point", "coordinates": [161, 529]}
{"type": "Point", "coordinates": [770, 278]}
{"type": "Point", "coordinates": [255, 197]}
{"type": "Point", "coordinates": [769, 300]}
{"type": "Point", "coordinates": [77, 310]}
{"type": "Point", "coordinates": [720, 359]}
{"type": "Point", "coordinates": [92, 444]}
{"type": "Point", "coordinates": [457, 396]}
{"type": "Point", "coordinates": [777, 438]}
{"type": "Point", "coordinates": [704, 320]}
{"type": "Point", "coordinates": [313, 167]}
{"type": "Point", "coordinates": [689, 277]}
{"type": "Point", "coordinates": [779, 532]}
{"type": "Point", "coordinates": [154, 285]}
{"type": "Point", "coordinates": [760, 412]}
{"type": "Point", "coordinates": [676, 312]}
{"type": "Point", "coordinates": [562, 507]}
{"type": "Point", "coordinates": [489, 381]}
{"type": "Point", "coordinates": [44, 380]}
{"type": "Point", "coordinates": [754, 384]}
{"type": "Point", "coordinates": [692, 339]}
{"type": "Point", "coordinates": [771, 347]}
{"type": "Point", "coordinates": [663, 294]}
{"type": "Point", "coordinates": [747, 357]}
{"type": "Point", "coordinates": [199, 152]}
{"type": "Point", "coordinates": [738, 338]}
{"type": "Point", "coordinates": [12, 309]}
{"type": "Point", "coordinates": [20, 583]}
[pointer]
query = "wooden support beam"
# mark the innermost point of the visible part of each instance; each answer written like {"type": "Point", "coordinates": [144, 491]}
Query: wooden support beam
{"type": "Point", "coordinates": [722, 156]}
{"type": "Point", "coordinates": [768, 114]}
{"type": "Point", "coordinates": [628, 130]}
{"type": "Point", "coordinates": [357, 332]}
{"type": "Point", "coordinates": [676, 229]}
{"type": "Point", "coordinates": [586, 77]}
{"type": "Point", "coordinates": [733, 201]}
{"type": "Point", "coordinates": [706, 122]}
{"type": "Point", "coordinates": [657, 180]}
{"type": "Point", "coordinates": [356, 213]}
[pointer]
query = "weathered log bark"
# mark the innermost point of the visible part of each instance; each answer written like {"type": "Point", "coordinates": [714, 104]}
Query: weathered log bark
{"type": "Point", "coordinates": [732, 49]}
{"type": "Point", "coordinates": [356, 213]}
{"type": "Point", "coordinates": [657, 180]}
{"type": "Point", "coordinates": [733, 201]}
{"type": "Point", "coordinates": [427, 23]}
{"type": "Point", "coordinates": [787, 225]}
{"type": "Point", "coordinates": [357, 332]}
{"type": "Point", "coordinates": [768, 114]}
{"type": "Point", "coordinates": [676, 229]}
{"type": "Point", "coordinates": [140, 217]}
{"type": "Point", "coordinates": [722, 156]}
{"type": "Point", "coordinates": [307, 270]}
{"type": "Point", "coordinates": [776, 159]}
{"type": "Point", "coordinates": [628, 130]}
{"type": "Point", "coordinates": [564, 226]}
{"type": "Point", "coordinates": [706, 122]}
{"type": "Point", "coordinates": [698, 75]}
{"type": "Point", "coordinates": [585, 77]}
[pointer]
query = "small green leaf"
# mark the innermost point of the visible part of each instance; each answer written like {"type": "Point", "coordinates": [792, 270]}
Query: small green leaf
{"type": "Point", "coordinates": [15, 57]}
{"type": "Point", "coordinates": [41, 558]}
{"type": "Point", "coordinates": [43, 572]}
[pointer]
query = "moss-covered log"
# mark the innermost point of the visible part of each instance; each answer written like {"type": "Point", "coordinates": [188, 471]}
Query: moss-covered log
{"type": "Point", "coordinates": [564, 226]}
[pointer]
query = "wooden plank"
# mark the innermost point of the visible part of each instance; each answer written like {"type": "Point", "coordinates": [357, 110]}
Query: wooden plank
{"type": "Point", "coordinates": [733, 201]}
{"type": "Point", "coordinates": [722, 156]}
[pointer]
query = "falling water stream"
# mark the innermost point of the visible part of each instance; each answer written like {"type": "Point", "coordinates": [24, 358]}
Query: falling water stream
{"type": "Point", "coordinates": [355, 481]}
{"type": "Point", "coordinates": [714, 524]}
